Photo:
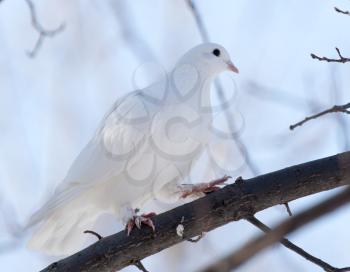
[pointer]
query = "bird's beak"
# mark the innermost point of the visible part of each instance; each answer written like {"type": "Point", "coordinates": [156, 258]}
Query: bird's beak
{"type": "Point", "coordinates": [231, 67]}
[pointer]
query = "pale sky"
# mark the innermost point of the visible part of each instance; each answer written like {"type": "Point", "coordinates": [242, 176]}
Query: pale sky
{"type": "Point", "coordinates": [50, 105]}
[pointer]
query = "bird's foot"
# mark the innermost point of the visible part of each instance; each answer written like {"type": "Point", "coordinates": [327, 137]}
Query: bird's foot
{"type": "Point", "coordinates": [138, 220]}
{"type": "Point", "coordinates": [203, 188]}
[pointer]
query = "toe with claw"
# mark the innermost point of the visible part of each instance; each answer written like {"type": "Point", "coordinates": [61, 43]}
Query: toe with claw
{"type": "Point", "coordinates": [204, 188]}
{"type": "Point", "coordinates": [138, 220]}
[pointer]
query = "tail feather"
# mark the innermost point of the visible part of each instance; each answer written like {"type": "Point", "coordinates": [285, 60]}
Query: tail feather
{"type": "Point", "coordinates": [63, 232]}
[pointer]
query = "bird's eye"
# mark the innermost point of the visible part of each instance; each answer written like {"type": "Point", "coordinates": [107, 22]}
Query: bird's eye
{"type": "Point", "coordinates": [216, 52]}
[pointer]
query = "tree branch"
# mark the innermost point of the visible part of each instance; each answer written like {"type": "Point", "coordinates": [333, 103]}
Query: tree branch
{"type": "Point", "coordinates": [249, 250]}
{"type": "Point", "coordinates": [342, 11]}
{"type": "Point", "coordinates": [232, 203]}
{"type": "Point", "coordinates": [341, 58]}
{"type": "Point", "coordinates": [342, 108]}
{"type": "Point", "coordinates": [43, 33]}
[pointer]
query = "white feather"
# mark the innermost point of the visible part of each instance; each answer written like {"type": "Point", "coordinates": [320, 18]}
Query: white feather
{"type": "Point", "coordinates": [144, 146]}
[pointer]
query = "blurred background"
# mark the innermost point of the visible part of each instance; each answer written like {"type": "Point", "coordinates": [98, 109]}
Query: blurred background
{"type": "Point", "coordinates": [51, 104]}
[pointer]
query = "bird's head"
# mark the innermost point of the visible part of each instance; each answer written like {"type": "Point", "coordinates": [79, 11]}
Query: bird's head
{"type": "Point", "coordinates": [209, 58]}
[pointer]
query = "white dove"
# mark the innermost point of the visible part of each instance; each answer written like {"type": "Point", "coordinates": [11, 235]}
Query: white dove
{"type": "Point", "coordinates": [144, 148]}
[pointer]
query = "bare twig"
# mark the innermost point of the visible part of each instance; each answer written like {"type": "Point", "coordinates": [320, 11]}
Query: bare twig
{"type": "Point", "coordinates": [346, 12]}
{"type": "Point", "coordinates": [99, 237]}
{"type": "Point", "coordinates": [249, 250]}
{"type": "Point", "coordinates": [140, 266]}
{"type": "Point", "coordinates": [341, 108]}
{"type": "Point", "coordinates": [288, 209]}
{"type": "Point", "coordinates": [342, 120]}
{"type": "Point", "coordinates": [327, 267]}
{"type": "Point", "coordinates": [43, 33]}
{"type": "Point", "coordinates": [341, 58]}
{"type": "Point", "coordinates": [233, 202]}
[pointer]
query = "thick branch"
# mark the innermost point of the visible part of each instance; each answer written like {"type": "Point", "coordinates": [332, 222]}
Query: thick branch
{"type": "Point", "coordinates": [342, 108]}
{"type": "Point", "coordinates": [253, 247]}
{"type": "Point", "coordinates": [234, 202]}
{"type": "Point", "coordinates": [341, 58]}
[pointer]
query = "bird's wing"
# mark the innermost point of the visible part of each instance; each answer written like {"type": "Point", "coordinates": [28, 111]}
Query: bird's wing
{"type": "Point", "coordinates": [119, 137]}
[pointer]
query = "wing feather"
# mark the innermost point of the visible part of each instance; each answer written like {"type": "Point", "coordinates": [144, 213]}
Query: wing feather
{"type": "Point", "coordinates": [119, 136]}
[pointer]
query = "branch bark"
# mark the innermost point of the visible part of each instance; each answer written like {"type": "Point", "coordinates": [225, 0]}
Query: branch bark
{"type": "Point", "coordinates": [234, 202]}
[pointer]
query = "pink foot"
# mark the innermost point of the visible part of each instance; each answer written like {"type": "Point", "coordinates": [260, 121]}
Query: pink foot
{"type": "Point", "coordinates": [138, 220]}
{"type": "Point", "coordinates": [204, 188]}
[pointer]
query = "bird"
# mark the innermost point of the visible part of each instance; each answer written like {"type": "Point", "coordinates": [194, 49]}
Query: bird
{"type": "Point", "coordinates": [143, 149]}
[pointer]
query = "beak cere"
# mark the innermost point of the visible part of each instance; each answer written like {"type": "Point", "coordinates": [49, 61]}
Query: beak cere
{"type": "Point", "coordinates": [231, 67]}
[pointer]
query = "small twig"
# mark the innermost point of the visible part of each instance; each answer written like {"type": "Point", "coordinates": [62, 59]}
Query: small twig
{"type": "Point", "coordinates": [341, 58]}
{"type": "Point", "coordinates": [336, 108]}
{"type": "Point", "coordinates": [288, 209]}
{"type": "Point", "coordinates": [342, 120]}
{"type": "Point", "coordinates": [234, 260]}
{"type": "Point", "coordinates": [140, 266]}
{"type": "Point", "coordinates": [346, 12]}
{"type": "Point", "coordinates": [99, 237]}
{"type": "Point", "coordinates": [43, 33]}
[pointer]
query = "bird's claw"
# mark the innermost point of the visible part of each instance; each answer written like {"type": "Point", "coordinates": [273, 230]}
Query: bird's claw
{"type": "Point", "coordinates": [205, 188]}
{"type": "Point", "coordinates": [138, 220]}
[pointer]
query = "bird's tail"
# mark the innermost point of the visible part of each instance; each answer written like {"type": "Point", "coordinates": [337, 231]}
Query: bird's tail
{"type": "Point", "coordinates": [62, 233]}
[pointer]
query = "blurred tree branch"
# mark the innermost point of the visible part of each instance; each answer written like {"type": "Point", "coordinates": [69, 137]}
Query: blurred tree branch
{"type": "Point", "coordinates": [234, 202]}
{"type": "Point", "coordinates": [346, 12]}
{"type": "Point", "coordinates": [130, 34]}
{"type": "Point", "coordinates": [241, 145]}
{"type": "Point", "coordinates": [341, 108]}
{"type": "Point", "coordinates": [200, 25]}
{"type": "Point", "coordinates": [43, 33]}
{"type": "Point", "coordinates": [290, 100]}
{"type": "Point", "coordinates": [234, 260]}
